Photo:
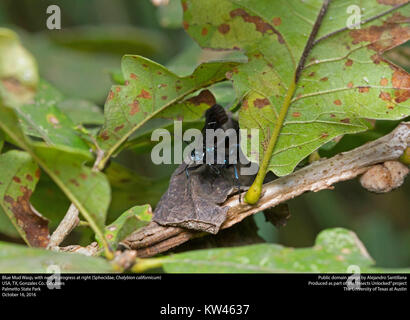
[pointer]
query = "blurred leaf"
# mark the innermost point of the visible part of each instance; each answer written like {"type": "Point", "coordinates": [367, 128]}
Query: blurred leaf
{"type": "Point", "coordinates": [129, 221]}
{"type": "Point", "coordinates": [17, 183]}
{"type": "Point", "coordinates": [130, 189]}
{"type": "Point", "coordinates": [6, 227]}
{"type": "Point", "coordinates": [15, 61]}
{"type": "Point", "coordinates": [77, 74]}
{"type": "Point", "coordinates": [350, 141]}
{"type": "Point", "coordinates": [170, 16]}
{"type": "Point", "coordinates": [400, 56]}
{"type": "Point", "coordinates": [1, 140]}
{"type": "Point", "coordinates": [50, 201]}
{"type": "Point", "coordinates": [88, 190]}
{"type": "Point", "coordinates": [18, 259]}
{"type": "Point", "coordinates": [82, 111]}
{"type": "Point", "coordinates": [111, 39]}
{"type": "Point", "coordinates": [309, 108]}
{"type": "Point", "coordinates": [334, 251]}
{"type": "Point", "coordinates": [44, 119]}
{"type": "Point", "coordinates": [149, 89]}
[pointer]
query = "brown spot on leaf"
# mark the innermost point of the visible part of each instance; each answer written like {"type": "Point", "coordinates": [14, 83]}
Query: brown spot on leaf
{"type": "Point", "coordinates": [35, 226]}
{"type": "Point", "coordinates": [324, 135]}
{"type": "Point", "coordinates": [29, 177]}
{"type": "Point", "coordinates": [346, 120]}
{"type": "Point", "coordinates": [312, 74]}
{"type": "Point", "coordinates": [391, 2]}
{"type": "Point", "coordinates": [205, 96]}
{"type": "Point", "coordinates": [118, 89]}
{"type": "Point", "coordinates": [133, 76]}
{"type": "Point", "coordinates": [401, 80]}
{"type": "Point", "coordinates": [178, 87]}
{"type": "Point", "coordinates": [204, 31]}
{"type": "Point", "coordinates": [16, 179]}
{"type": "Point", "coordinates": [349, 62]}
{"type": "Point", "coordinates": [224, 28]}
{"type": "Point", "coordinates": [104, 135]}
{"type": "Point", "coordinates": [324, 79]}
{"type": "Point", "coordinates": [296, 114]}
{"type": "Point", "coordinates": [277, 21]}
{"type": "Point", "coordinates": [37, 173]}
{"type": "Point", "coordinates": [83, 176]}
{"type": "Point", "coordinates": [350, 85]}
{"type": "Point", "coordinates": [52, 119]}
{"type": "Point", "coordinates": [184, 6]}
{"type": "Point", "coordinates": [385, 96]}
{"type": "Point", "coordinates": [185, 25]}
{"type": "Point", "coordinates": [135, 107]}
{"type": "Point", "coordinates": [384, 82]}
{"type": "Point", "coordinates": [110, 95]}
{"type": "Point", "coordinates": [163, 85]}
{"type": "Point", "coordinates": [144, 94]}
{"type": "Point", "coordinates": [337, 102]}
{"type": "Point", "coordinates": [74, 182]}
{"type": "Point", "coordinates": [384, 37]}
{"type": "Point", "coordinates": [259, 23]}
{"type": "Point", "coordinates": [332, 115]}
{"type": "Point", "coordinates": [363, 89]}
{"type": "Point", "coordinates": [159, 73]}
{"type": "Point", "coordinates": [260, 103]}
{"type": "Point", "coordinates": [116, 129]}
{"type": "Point", "coordinates": [245, 105]}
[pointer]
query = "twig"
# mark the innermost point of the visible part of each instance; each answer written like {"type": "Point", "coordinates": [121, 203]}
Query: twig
{"type": "Point", "coordinates": [319, 175]}
{"type": "Point", "coordinates": [71, 219]}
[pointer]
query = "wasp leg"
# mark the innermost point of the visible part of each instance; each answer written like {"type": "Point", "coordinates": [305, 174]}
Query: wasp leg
{"type": "Point", "coordinates": [188, 168]}
{"type": "Point", "coordinates": [238, 183]}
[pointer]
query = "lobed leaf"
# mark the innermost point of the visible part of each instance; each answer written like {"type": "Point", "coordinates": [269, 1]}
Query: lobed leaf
{"type": "Point", "coordinates": [149, 89]}
{"type": "Point", "coordinates": [17, 183]}
{"type": "Point", "coordinates": [18, 259]}
{"type": "Point", "coordinates": [129, 221]}
{"type": "Point", "coordinates": [340, 80]}
{"type": "Point", "coordinates": [88, 190]}
{"type": "Point", "coordinates": [44, 119]}
{"type": "Point", "coordinates": [334, 251]}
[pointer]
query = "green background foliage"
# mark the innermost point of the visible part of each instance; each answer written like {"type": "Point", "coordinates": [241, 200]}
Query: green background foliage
{"type": "Point", "coordinates": [58, 121]}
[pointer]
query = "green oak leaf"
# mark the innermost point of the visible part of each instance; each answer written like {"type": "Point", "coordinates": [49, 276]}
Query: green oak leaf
{"type": "Point", "coordinates": [17, 183]}
{"type": "Point", "coordinates": [19, 259]}
{"type": "Point", "coordinates": [308, 78]}
{"type": "Point", "coordinates": [44, 119]}
{"type": "Point", "coordinates": [190, 111]}
{"type": "Point", "coordinates": [88, 190]}
{"type": "Point", "coordinates": [148, 90]}
{"type": "Point", "coordinates": [129, 221]}
{"type": "Point", "coordinates": [334, 251]}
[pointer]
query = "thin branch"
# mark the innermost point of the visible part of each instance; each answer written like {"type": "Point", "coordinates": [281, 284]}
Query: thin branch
{"type": "Point", "coordinates": [320, 175]}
